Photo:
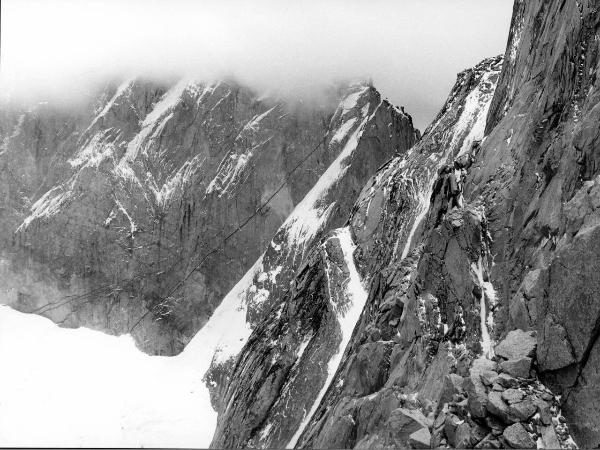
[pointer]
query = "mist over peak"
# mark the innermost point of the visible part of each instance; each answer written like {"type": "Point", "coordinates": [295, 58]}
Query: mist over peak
{"type": "Point", "coordinates": [61, 49]}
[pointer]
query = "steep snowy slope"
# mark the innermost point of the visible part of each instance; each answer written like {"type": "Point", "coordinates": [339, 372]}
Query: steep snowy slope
{"type": "Point", "coordinates": [120, 233]}
{"type": "Point", "coordinates": [292, 360]}
{"type": "Point", "coordinates": [371, 129]}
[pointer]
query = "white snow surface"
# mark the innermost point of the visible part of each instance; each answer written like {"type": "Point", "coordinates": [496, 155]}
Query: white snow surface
{"type": "Point", "coordinates": [347, 315]}
{"type": "Point", "coordinates": [474, 116]}
{"type": "Point", "coordinates": [343, 130]}
{"type": "Point", "coordinates": [227, 329]}
{"type": "Point", "coordinates": [469, 128]}
{"type": "Point", "coordinates": [163, 111]}
{"type": "Point", "coordinates": [94, 152]}
{"type": "Point", "coordinates": [77, 387]}
{"type": "Point", "coordinates": [253, 124]}
{"type": "Point", "coordinates": [312, 212]}
{"type": "Point", "coordinates": [351, 100]}
{"type": "Point", "coordinates": [486, 342]}
{"type": "Point", "coordinates": [424, 201]}
{"type": "Point", "coordinates": [121, 91]}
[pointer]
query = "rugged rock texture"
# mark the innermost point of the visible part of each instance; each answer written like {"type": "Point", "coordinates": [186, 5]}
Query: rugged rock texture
{"type": "Point", "coordinates": [539, 167]}
{"type": "Point", "coordinates": [409, 319]}
{"type": "Point", "coordinates": [366, 144]}
{"type": "Point", "coordinates": [515, 263]}
{"type": "Point", "coordinates": [379, 315]}
{"type": "Point", "coordinates": [128, 201]}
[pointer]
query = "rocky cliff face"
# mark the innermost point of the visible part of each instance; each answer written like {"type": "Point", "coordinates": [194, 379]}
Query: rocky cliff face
{"type": "Point", "coordinates": [374, 311]}
{"type": "Point", "coordinates": [479, 324]}
{"type": "Point", "coordinates": [325, 356]}
{"type": "Point", "coordinates": [113, 213]}
{"type": "Point", "coordinates": [537, 179]}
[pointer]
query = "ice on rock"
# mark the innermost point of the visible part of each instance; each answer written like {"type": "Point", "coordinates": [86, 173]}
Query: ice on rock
{"type": "Point", "coordinates": [347, 317]}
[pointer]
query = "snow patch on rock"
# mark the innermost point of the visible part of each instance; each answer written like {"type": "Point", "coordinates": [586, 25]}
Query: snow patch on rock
{"type": "Point", "coordinates": [347, 315]}
{"type": "Point", "coordinates": [227, 331]}
{"type": "Point", "coordinates": [312, 212]}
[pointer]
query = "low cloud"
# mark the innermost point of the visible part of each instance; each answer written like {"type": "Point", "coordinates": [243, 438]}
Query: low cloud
{"type": "Point", "coordinates": [412, 49]}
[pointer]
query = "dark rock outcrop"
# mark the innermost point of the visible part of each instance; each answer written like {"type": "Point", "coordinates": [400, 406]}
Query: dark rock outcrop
{"type": "Point", "coordinates": [537, 177]}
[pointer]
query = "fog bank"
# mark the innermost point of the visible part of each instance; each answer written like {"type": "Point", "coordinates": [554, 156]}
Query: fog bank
{"type": "Point", "coordinates": [412, 49]}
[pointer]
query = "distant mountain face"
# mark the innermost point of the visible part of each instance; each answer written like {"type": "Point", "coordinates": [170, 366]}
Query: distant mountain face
{"type": "Point", "coordinates": [116, 214]}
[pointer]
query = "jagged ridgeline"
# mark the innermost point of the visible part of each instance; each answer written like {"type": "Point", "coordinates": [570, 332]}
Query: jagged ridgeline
{"type": "Point", "coordinates": [345, 295]}
{"type": "Point", "coordinates": [478, 325]}
{"type": "Point", "coordinates": [138, 212]}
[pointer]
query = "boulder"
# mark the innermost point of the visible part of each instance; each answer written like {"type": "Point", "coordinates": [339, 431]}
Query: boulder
{"type": "Point", "coordinates": [547, 396]}
{"type": "Point", "coordinates": [403, 423]}
{"type": "Point", "coordinates": [438, 430]}
{"type": "Point", "coordinates": [519, 312]}
{"type": "Point", "coordinates": [482, 364]}
{"type": "Point", "coordinates": [341, 433]}
{"type": "Point", "coordinates": [495, 425]}
{"type": "Point", "coordinates": [477, 400]}
{"type": "Point", "coordinates": [478, 431]}
{"type": "Point", "coordinates": [513, 395]}
{"type": "Point", "coordinates": [499, 408]}
{"type": "Point", "coordinates": [517, 437]}
{"type": "Point", "coordinates": [375, 411]}
{"type": "Point", "coordinates": [549, 437]}
{"type": "Point", "coordinates": [534, 283]}
{"type": "Point", "coordinates": [439, 421]}
{"type": "Point", "coordinates": [555, 350]}
{"type": "Point", "coordinates": [517, 367]}
{"type": "Point", "coordinates": [463, 436]}
{"type": "Point", "coordinates": [475, 388]}
{"type": "Point", "coordinates": [420, 439]}
{"type": "Point", "coordinates": [517, 344]}
{"type": "Point", "coordinates": [453, 384]}
{"type": "Point", "coordinates": [461, 409]}
{"type": "Point", "coordinates": [488, 377]}
{"type": "Point", "coordinates": [368, 370]}
{"type": "Point", "coordinates": [543, 408]}
{"type": "Point", "coordinates": [373, 441]}
{"type": "Point", "coordinates": [450, 426]}
{"type": "Point", "coordinates": [506, 381]}
{"type": "Point", "coordinates": [524, 305]}
{"type": "Point", "coordinates": [489, 442]}
{"type": "Point", "coordinates": [522, 410]}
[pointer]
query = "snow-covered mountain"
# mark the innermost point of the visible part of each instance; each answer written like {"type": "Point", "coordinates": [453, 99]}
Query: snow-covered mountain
{"type": "Point", "coordinates": [478, 324]}
{"type": "Point", "coordinates": [140, 213]}
{"type": "Point", "coordinates": [370, 305]}
{"type": "Point", "coordinates": [129, 193]}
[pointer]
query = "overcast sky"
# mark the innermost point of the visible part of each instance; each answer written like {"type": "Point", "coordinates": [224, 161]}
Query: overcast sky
{"type": "Point", "coordinates": [412, 49]}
